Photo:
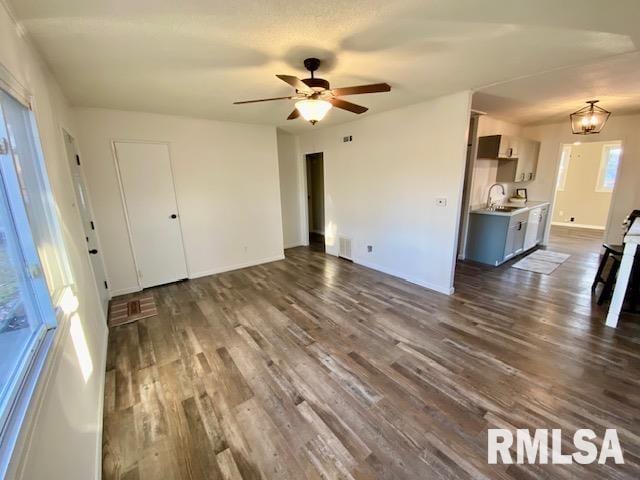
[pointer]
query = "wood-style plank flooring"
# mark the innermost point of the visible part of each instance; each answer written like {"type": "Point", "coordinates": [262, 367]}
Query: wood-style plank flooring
{"type": "Point", "coordinates": [314, 367]}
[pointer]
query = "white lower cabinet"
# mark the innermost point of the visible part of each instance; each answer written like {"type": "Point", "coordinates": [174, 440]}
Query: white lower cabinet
{"type": "Point", "coordinates": [533, 224]}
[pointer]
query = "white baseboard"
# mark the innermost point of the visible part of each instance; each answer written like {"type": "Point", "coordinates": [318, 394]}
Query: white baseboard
{"type": "Point", "coordinates": [416, 281]}
{"type": "Point", "coordinates": [124, 291]}
{"type": "Point", "coordinates": [204, 273]}
{"type": "Point", "coordinates": [237, 266]}
{"type": "Point", "coordinates": [577, 225]}
{"type": "Point", "coordinates": [294, 245]}
{"type": "Point", "coordinates": [103, 375]}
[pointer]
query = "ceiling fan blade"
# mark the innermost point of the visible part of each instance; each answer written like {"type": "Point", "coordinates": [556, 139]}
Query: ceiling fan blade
{"type": "Point", "coordinates": [343, 104]}
{"type": "Point", "coordinates": [373, 88]}
{"type": "Point", "coordinates": [293, 115]}
{"type": "Point", "coordinates": [262, 100]}
{"type": "Point", "coordinates": [296, 83]}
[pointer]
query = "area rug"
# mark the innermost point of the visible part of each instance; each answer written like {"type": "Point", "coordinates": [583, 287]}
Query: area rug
{"type": "Point", "coordinates": [541, 261]}
{"type": "Point", "coordinates": [131, 309]}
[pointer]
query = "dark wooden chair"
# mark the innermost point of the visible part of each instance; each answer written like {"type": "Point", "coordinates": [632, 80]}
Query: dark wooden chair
{"type": "Point", "coordinates": [615, 253]}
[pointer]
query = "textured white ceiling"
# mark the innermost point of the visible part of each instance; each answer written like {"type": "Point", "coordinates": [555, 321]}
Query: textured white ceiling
{"type": "Point", "coordinates": [195, 57]}
{"type": "Point", "coordinates": [552, 96]}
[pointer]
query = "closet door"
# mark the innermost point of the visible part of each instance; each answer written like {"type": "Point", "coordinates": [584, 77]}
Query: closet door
{"type": "Point", "coordinates": [150, 202]}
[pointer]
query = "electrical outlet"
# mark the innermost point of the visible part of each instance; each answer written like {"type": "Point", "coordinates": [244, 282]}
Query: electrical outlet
{"type": "Point", "coordinates": [441, 202]}
{"type": "Point", "coordinates": [572, 219]}
{"type": "Point", "coordinates": [348, 138]}
{"type": "Point", "coordinates": [369, 248]}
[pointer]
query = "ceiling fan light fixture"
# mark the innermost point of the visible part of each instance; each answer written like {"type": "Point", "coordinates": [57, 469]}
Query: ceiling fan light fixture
{"type": "Point", "coordinates": [589, 120]}
{"type": "Point", "coordinates": [313, 110]}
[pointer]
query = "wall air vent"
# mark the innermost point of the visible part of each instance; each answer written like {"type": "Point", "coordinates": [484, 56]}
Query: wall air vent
{"type": "Point", "coordinates": [344, 248]}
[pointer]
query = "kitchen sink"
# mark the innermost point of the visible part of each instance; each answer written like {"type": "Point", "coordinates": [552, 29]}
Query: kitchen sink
{"type": "Point", "coordinates": [504, 208]}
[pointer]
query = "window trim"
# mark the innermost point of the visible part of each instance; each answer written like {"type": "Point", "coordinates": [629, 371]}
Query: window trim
{"type": "Point", "coordinates": [562, 173]}
{"type": "Point", "coordinates": [604, 160]}
{"type": "Point", "coordinates": [12, 86]}
{"type": "Point", "coordinates": [19, 418]}
{"type": "Point", "coordinates": [28, 403]}
{"type": "Point", "coordinates": [24, 405]}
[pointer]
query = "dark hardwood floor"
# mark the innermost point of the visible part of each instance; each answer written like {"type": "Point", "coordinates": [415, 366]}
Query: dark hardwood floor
{"type": "Point", "coordinates": [314, 367]}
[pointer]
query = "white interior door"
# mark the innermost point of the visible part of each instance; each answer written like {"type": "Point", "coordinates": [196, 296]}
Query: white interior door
{"type": "Point", "coordinates": [88, 224]}
{"type": "Point", "coordinates": [150, 199]}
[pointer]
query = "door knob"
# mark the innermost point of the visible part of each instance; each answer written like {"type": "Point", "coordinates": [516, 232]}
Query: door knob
{"type": "Point", "coordinates": [173, 215]}
{"type": "Point", "coordinates": [93, 251]}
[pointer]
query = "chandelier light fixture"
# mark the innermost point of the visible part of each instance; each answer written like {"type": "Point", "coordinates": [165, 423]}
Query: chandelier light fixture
{"type": "Point", "coordinates": [589, 120]}
{"type": "Point", "coordinates": [313, 110]}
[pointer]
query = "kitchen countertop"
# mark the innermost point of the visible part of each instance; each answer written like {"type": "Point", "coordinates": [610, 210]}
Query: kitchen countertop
{"type": "Point", "coordinates": [522, 208]}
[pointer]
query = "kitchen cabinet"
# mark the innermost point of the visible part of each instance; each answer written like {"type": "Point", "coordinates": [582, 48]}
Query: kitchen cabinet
{"type": "Point", "coordinates": [528, 160]}
{"type": "Point", "coordinates": [524, 167]}
{"type": "Point", "coordinates": [514, 244]}
{"type": "Point", "coordinates": [544, 213]}
{"type": "Point", "coordinates": [498, 146]}
{"type": "Point", "coordinates": [533, 224]}
{"type": "Point", "coordinates": [495, 237]}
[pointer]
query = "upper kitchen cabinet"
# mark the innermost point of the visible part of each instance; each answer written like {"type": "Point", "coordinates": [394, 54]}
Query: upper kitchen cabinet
{"type": "Point", "coordinates": [498, 147]}
{"type": "Point", "coordinates": [524, 167]}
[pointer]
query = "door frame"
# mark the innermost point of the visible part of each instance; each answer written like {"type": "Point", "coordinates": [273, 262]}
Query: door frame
{"type": "Point", "coordinates": [305, 196]}
{"type": "Point", "coordinates": [614, 192]}
{"type": "Point", "coordinates": [123, 199]}
{"type": "Point", "coordinates": [83, 177]}
{"type": "Point", "coordinates": [467, 185]}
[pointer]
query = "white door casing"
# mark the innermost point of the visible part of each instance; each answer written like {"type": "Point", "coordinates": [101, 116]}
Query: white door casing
{"type": "Point", "coordinates": [146, 180]}
{"type": "Point", "coordinates": [83, 203]}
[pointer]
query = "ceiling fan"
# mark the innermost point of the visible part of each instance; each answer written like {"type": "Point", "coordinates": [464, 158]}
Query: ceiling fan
{"type": "Point", "coordinates": [315, 97]}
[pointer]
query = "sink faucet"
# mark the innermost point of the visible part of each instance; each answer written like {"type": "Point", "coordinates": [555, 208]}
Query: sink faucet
{"type": "Point", "coordinates": [489, 202]}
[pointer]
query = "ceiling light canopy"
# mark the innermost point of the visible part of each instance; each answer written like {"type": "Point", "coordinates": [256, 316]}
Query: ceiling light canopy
{"type": "Point", "coordinates": [589, 119]}
{"type": "Point", "coordinates": [313, 110]}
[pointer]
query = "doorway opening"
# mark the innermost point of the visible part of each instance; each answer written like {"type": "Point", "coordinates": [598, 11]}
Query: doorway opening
{"type": "Point", "coordinates": [315, 200]}
{"type": "Point", "coordinates": [585, 186]}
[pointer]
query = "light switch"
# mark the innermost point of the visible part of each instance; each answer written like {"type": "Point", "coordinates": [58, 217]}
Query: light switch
{"type": "Point", "coordinates": [441, 202]}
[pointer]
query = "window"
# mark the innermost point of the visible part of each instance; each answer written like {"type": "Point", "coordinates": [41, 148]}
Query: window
{"type": "Point", "coordinates": [32, 260]}
{"type": "Point", "coordinates": [611, 154]}
{"type": "Point", "coordinates": [565, 158]}
{"type": "Point", "coordinates": [36, 193]}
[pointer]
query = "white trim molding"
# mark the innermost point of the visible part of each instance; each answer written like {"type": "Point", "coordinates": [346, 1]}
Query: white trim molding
{"type": "Point", "coordinates": [237, 266]}
{"type": "Point", "coordinates": [578, 225]}
{"type": "Point", "coordinates": [431, 286]}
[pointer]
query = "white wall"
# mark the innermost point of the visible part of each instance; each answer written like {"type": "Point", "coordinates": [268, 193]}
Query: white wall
{"type": "Point", "coordinates": [64, 441]}
{"type": "Point", "coordinates": [290, 191]}
{"type": "Point", "coordinates": [626, 196]}
{"type": "Point", "coordinates": [227, 188]}
{"type": "Point", "coordinates": [381, 189]}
